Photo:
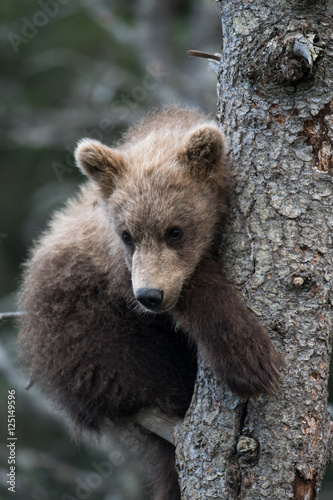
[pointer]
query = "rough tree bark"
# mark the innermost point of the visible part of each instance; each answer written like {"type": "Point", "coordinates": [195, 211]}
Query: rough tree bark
{"type": "Point", "coordinates": [275, 91]}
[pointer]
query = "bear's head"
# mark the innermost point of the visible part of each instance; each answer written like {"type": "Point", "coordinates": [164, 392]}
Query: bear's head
{"type": "Point", "coordinates": [162, 196]}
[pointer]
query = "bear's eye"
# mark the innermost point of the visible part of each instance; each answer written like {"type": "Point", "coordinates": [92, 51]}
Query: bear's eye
{"type": "Point", "coordinates": [175, 234]}
{"type": "Point", "coordinates": [127, 238]}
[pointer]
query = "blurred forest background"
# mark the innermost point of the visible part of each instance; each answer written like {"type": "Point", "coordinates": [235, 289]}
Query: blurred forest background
{"type": "Point", "coordinates": [69, 69]}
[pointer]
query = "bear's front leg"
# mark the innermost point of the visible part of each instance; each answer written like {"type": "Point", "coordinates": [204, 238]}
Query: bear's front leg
{"type": "Point", "coordinates": [233, 341]}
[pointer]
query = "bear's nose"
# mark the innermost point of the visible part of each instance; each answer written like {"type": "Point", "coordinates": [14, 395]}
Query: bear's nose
{"type": "Point", "coordinates": [150, 298]}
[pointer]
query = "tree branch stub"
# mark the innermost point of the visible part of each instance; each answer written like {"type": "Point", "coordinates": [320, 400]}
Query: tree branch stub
{"type": "Point", "coordinates": [10, 315]}
{"type": "Point", "coordinates": [158, 423]}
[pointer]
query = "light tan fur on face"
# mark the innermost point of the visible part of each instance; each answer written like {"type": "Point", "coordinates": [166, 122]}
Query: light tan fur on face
{"type": "Point", "coordinates": [147, 208]}
{"type": "Point", "coordinates": [158, 268]}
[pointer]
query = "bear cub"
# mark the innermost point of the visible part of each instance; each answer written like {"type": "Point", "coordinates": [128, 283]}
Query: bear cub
{"type": "Point", "coordinates": [123, 286]}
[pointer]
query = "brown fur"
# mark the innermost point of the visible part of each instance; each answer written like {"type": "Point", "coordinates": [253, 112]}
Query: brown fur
{"type": "Point", "coordinates": [85, 337]}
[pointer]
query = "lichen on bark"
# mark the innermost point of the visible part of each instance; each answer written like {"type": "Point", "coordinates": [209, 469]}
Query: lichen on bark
{"type": "Point", "coordinates": [278, 252]}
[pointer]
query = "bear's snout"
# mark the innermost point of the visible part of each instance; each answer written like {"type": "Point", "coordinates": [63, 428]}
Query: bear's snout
{"type": "Point", "coordinates": [150, 298]}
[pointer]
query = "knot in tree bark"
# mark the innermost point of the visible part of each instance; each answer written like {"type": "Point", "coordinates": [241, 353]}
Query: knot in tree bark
{"type": "Point", "coordinates": [287, 58]}
{"type": "Point", "coordinates": [247, 449]}
{"type": "Point", "coordinates": [292, 58]}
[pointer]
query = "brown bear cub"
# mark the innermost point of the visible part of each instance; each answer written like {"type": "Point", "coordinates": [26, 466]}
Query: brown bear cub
{"type": "Point", "coordinates": [125, 276]}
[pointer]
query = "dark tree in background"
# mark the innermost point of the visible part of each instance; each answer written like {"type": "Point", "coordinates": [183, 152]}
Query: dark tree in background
{"type": "Point", "coordinates": [275, 103]}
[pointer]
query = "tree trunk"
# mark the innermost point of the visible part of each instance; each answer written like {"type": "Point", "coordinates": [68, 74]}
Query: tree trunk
{"type": "Point", "coordinates": [275, 93]}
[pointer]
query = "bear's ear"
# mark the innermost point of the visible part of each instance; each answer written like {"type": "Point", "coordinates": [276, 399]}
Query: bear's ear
{"type": "Point", "coordinates": [204, 152]}
{"type": "Point", "coordinates": [100, 163]}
